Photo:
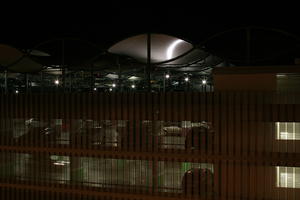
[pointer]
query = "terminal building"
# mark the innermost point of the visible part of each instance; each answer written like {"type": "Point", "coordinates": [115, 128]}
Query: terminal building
{"type": "Point", "coordinates": [151, 117]}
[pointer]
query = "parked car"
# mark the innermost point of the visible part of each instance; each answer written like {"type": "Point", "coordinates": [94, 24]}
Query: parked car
{"type": "Point", "coordinates": [197, 182]}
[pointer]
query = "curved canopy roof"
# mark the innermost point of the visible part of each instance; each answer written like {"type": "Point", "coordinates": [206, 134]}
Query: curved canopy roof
{"type": "Point", "coordinates": [124, 63]}
{"type": "Point", "coordinates": [128, 55]}
{"type": "Point", "coordinates": [163, 47]}
{"type": "Point", "coordinates": [9, 55]}
{"type": "Point", "coordinates": [192, 56]}
{"type": "Point", "coordinates": [14, 60]}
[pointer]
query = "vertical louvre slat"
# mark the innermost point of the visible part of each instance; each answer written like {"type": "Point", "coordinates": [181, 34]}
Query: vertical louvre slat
{"type": "Point", "coordinates": [245, 148]}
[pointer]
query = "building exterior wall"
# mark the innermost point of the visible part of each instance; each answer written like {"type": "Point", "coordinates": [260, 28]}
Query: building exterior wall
{"type": "Point", "coordinates": [140, 146]}
{"type": "Point", "coordinates": [245, 82]}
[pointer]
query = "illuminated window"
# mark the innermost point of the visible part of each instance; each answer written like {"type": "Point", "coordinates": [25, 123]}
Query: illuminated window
{"type": "Point", "coordinates": [288, 177]}
{"type": "Point", "coordinates": [287, 130]}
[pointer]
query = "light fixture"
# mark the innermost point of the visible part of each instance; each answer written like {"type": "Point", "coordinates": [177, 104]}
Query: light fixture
{"type": "Point", "coordinates": [167, 76]}
{"type": "Point", "coordinates": [113, 85]}
{"type": "Point", "coordinates": [59, 163]}
{"type": "Point", "coordinates": [134, 78]}
{"type": "Point", "coordinates": [204, 81]}
{"type": "Point", "coordinates": [110, 89]}
{"type": "Point", "coordinates": [132, 86]}
{"type": "Point", "coordinates": [56, 82]}
{"type": "Point", "coordinates": [17, 91]}
{"type": "Point", "coordinates": [186, 79]}
{"type": "Point", "coordinates": [112, 76]}
{"type": "Point", "coordinates": [281, 75]}
{"type": "Point", "coordinates": [95, 89]}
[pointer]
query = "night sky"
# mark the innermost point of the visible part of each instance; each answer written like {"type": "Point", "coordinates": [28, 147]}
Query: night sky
{"type": "Point", "coordinates": [106, 25]}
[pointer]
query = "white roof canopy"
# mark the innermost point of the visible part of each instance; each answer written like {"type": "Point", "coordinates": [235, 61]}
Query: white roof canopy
{"type": "Point", "coordinates": [163, 47]}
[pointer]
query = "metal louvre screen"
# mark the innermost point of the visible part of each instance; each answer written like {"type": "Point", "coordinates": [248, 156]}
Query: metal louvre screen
{"type": "Point", "coordinates": [221, 145]}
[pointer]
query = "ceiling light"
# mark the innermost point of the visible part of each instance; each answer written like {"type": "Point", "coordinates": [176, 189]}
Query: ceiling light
{"type": "Point", "coordinates": [113, 85]}
{"type": "Point", "coordinates": [281, 75]}
{"type": "Point", "coordinates": [95, 89]}
{"type": "Point", "coordinates": [132, 86]}
{"type": "Point", "coordinates": [56, 82]}
{"type": "Point", "coordinates": [112, 76]}
{"type": "Point", "coordinates": [17, 91]}
{"type": "Point", "coordinates": [59, 163]}
{"type": "Point", "coordinates": [204, 81]}
{"type": "Point", "coordinates": [110, 89]}
{"type": "Point", "coordinates": [134, 78]}
{"type": "Point", "coordinates": [167, 76]}
{"type": "Point", "coordinates": [186, 79]}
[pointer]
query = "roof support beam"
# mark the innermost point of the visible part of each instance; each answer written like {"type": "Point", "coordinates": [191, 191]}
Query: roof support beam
{"type": "Point", "coordinates": [149, 61]}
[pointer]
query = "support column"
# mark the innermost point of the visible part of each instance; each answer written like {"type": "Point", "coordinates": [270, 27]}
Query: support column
{"type": "Point", "coordinates": [5, 81]}
{"type": "Point", "coordinates": [164, 82]}
{"type": "Point", "coordinates": [71, 80]}
{"type": "Point", "coordinates": [248, 36]}
{"type": "Point", "coordinates": [76, 170]}
{"type": "Point", "coordinates": [42, 82]}
{"type": "Point", "coordinates": [26, 82]}
{"type": "Point", "coordinates": [92, 78]}
{"type": "Point", "coordinates": [119, 75]}
{"type": "Point", "coordinates": [63, 66]}
{"type": "Point", "coordinates": [149, 62]}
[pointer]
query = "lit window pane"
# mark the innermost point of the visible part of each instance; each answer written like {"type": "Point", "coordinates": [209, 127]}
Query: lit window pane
{"type": "Point", "coordinates": [288, 177]}
{"type": "Point", "coordinates": [287, 130]}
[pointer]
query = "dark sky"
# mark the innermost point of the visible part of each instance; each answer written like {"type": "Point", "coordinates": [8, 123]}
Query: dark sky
{"type": "Point", "coordinates": [105, 25]}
